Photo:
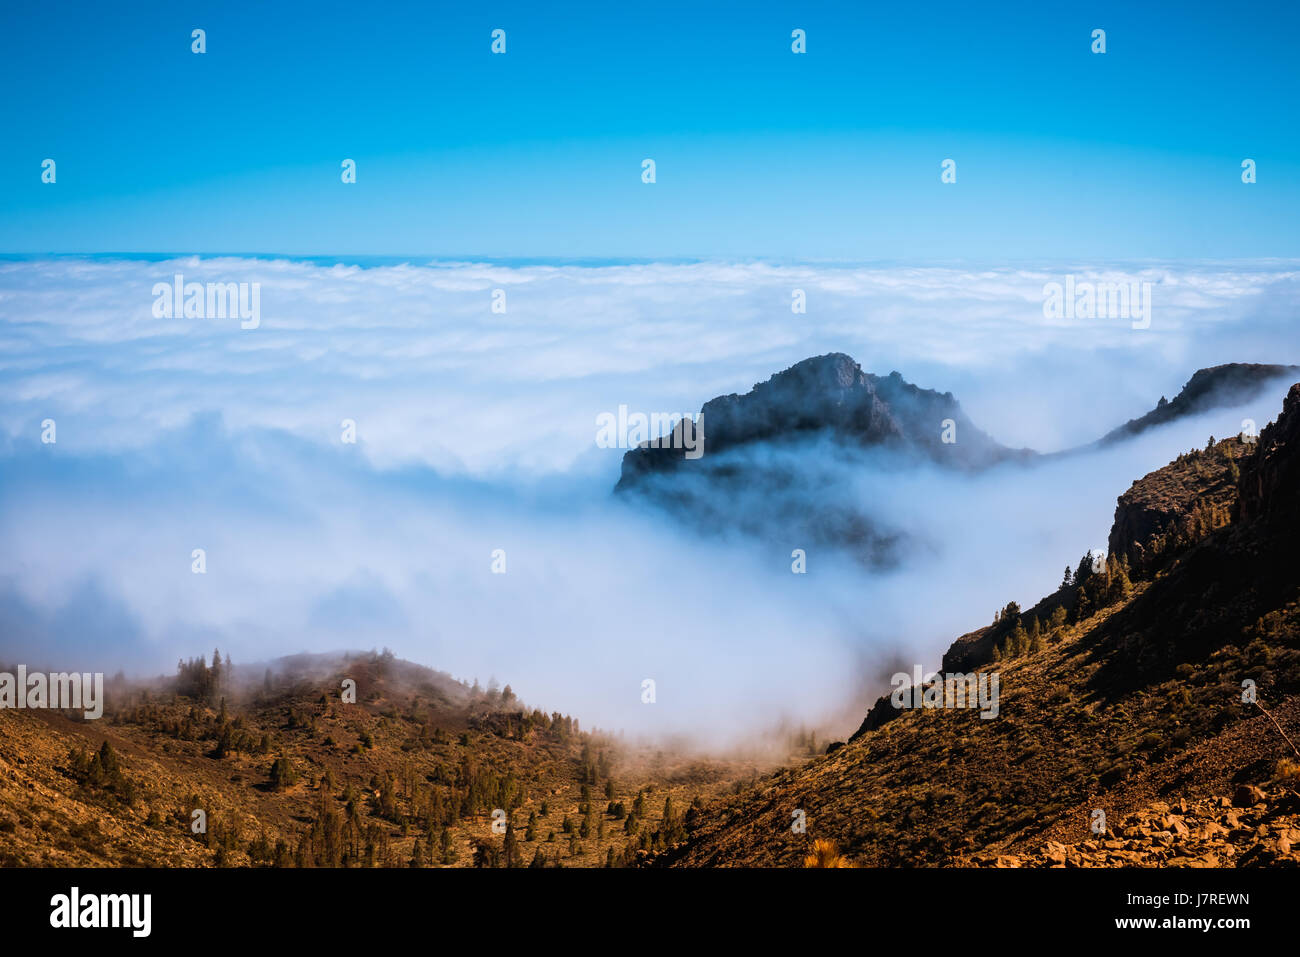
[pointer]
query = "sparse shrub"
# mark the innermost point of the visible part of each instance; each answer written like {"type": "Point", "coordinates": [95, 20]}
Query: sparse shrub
{"type": "Point", "coordinates": [826, 854]}
{"type": "Point", "coordinates": [1287, 773]}
{"type": "Point", "coordinates": [282, 773]}
{"type": "Point", "coordinates": [100, 773]}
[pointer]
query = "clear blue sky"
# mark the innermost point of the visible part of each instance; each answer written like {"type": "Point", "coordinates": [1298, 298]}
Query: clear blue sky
{"type": "Point", "coordinates": [761, 153]}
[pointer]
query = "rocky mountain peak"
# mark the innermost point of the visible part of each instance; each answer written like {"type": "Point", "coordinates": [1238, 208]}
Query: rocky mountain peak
{"type": "Point", "coordinates": [827, 394]}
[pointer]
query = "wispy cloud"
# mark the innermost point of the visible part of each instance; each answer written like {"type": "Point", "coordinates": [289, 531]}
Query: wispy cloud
{"type": "Point", "coordinates": [476, 432]}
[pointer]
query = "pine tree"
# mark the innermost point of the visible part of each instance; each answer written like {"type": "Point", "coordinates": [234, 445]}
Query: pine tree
{"type": "Point", "coordinates": [215, 675]}
{"type": "Point", "coordinates": [1019, 640]}
{"type": "Point", "coordinates": [1082, 606]}
{"type": "Point", "coordinates": [511, 851]}
{"type": "Point", "coordinates": [224, 743]}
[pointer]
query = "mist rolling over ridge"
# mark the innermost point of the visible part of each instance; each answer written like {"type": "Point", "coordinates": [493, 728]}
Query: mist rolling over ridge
{"type": "Point", "coordinates": [177, 434]}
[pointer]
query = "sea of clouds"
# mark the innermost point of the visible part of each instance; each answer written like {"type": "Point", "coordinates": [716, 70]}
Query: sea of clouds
{"type": "Point", "coordinates": [476, 431]}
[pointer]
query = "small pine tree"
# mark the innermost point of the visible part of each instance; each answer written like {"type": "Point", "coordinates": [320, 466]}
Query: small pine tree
{"type": "Point", "coordinates": [1019, 640]}
{"type": "Point", "coordinates": [511, 850]}
{"type": "Point", "coordinates": [224, 743]}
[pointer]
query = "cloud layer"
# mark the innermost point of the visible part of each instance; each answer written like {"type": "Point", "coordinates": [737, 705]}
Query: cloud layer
{"type": "Point", "coordinates": [476, 431]}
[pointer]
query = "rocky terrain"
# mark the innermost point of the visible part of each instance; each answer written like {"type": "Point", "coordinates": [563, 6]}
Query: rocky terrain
{"type": "Point", "coordinates": [1163, 694]}
{"type": "Point", "coordinates": [1156, 691]}
{"type": "Point", "coordinates": [1257, 829]}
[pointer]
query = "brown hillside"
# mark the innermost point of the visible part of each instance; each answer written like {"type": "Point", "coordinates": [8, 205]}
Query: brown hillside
{"type": "Point", "coordinates": [290, 775]}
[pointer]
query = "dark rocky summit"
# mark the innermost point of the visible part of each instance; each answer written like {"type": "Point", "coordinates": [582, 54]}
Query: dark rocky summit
{"type": "Point", "coordinates": [827, 395]}
{"type": "Point", "coordinates": [1206, 389]}
{"type": "Point", "coordinates": [780, 461]}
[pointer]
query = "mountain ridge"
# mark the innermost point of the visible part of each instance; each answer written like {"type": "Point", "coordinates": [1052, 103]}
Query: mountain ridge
{"type": "Point", "coordinates": [1154, 697]}
{"type": "Point", "coordinates": [832, 394]}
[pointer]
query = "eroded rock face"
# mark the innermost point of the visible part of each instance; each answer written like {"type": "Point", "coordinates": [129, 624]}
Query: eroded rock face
{"type": "Point", "coordinates": [1158, 507]}
{"type": "Point", "coordinates": [1270, 479]}
{"type": "Point", "coordinates": [827, 394]}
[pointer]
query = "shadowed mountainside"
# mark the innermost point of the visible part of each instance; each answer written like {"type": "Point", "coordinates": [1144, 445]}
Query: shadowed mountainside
{"type": "Point", "coordinates": [1126, 692]}
{"type": "Point", "coordinates": [776, 459]}
{"type": "Point", "coordinates": [1207, 389]}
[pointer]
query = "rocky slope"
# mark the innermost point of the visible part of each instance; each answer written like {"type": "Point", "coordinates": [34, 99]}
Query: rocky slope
{"type": "Point", "coordinates": [1167, 506]}
{"type": "Point", "coordinates": [1255, 829]}
{"type": "Point", "coordinates": [1272, 474]}
{"type": "Point", "coordinates": [1132, 700]}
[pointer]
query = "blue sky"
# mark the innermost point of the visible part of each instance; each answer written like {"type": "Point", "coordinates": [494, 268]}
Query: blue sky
{"type": "Point", "coordinates": [834, 154]}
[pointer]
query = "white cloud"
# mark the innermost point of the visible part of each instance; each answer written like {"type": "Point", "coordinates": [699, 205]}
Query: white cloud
{"type": "Point", "coordinates": [477, 431]}
{"type": "Point", "coordinates": [415, 355]}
